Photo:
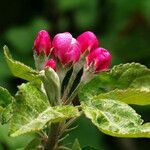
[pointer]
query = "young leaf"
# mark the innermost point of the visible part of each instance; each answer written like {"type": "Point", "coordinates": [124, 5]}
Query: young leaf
{"type": "Point", "coordinates": [7, 113]}
{"type": "Point", "coordinates": [127, 74]}
{"type": "Point", "coordinates": [5, 97]}
{"type": "Point", "coordinates": [102, 83]}
{"type": "Point", "coordinates": [32, 111]}
{"type": "Point", "coordinates": [122, 77]}
{"type": "Point", "coordinates": [52, 85]}
{"type": "Point", "coordinates": [50, 115]}
{"type": "Point", "coordinates": [5, 102]}
{"type": "Point", "coordinates": [115, 118]}
{"type": "Point", "coordinates": [18, 69]}
{"type": "Point", "coordinates": [129, 96]}
{"type": "Point", "coordinates": [76, 145]}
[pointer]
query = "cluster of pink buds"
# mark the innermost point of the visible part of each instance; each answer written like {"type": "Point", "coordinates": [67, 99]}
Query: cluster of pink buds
{"type": "Point", "coordinates": [68, 50]}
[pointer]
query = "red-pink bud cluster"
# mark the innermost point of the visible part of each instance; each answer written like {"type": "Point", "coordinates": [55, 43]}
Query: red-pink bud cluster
{"type": "Point", "coordinates": [68, 50]}
{"type": "Point", "coordinates": [98, 57]}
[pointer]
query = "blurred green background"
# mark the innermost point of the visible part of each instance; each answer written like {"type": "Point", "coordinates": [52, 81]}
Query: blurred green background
{"type": "Point", "coordinates": [122, 26]}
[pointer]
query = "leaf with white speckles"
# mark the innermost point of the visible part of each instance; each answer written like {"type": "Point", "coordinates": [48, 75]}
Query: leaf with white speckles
{"type": "Point", "coordinates": [32, 112]}
{"type": "Point", "coordinates": [116, 118]}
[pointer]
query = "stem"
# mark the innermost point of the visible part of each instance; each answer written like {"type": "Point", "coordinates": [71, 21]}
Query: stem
{"type": "Point", "coordinates": [53, 139]}
{"type": "Point", "coordinates": [55, 133]}
{"type": "Point", "coordinates": [74, 93]}
{"type": "Point", "coordinates": [76, 68]}
{"type": "Point", "coordinates": [61, 71]}
{"type": "Point", "coordinates": [86, 77]}
{"type": "Point", "coordinates": [70, 83]}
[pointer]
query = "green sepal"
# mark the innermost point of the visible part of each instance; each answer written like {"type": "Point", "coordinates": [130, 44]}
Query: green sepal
{"type": "Point", "coordinates": [40, 60]}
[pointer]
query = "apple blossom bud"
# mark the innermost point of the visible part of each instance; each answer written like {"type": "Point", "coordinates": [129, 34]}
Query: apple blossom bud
{"type": "Point", "coordinates": [88, 41]}
{"type": "Point", "coordinates": [99, 59]}
{"type": "Point", "coordinates": [51, 63]}
{"type": "Point", "coordinates": [42, 43]}
{"type": "Point", "coordinates": [66, 48]}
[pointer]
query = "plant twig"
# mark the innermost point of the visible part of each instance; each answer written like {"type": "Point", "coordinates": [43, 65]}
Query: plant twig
{"type": "Point", "coordinates": [56, 131]}
{"type": "Point", "coordinates": [53, 137]}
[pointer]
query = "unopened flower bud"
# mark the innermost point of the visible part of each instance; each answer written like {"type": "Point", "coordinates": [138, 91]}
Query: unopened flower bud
{"type": "Point", "coordinates": [99, 59]}
{"type": "Point", "coordinates": [88, 41]}
{"type": "Point", "coordinates": [51, 63]}
{"type": "Point", "coordinates": [66, 48]}
{"type": "Point", "coordinates": [42, 43]}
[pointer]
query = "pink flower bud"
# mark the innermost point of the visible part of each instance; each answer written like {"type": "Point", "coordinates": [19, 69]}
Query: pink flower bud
{"type": "Point", "coordinates": [42, 43]}
{"type": "Point", "coordinates": [100, 59]}
{"type": "Point", "coordinates": [88, 41]}
{"type": "Point", "coordinates": [51, 63]}
{"type": "Point", "coordinates": [66, 48]}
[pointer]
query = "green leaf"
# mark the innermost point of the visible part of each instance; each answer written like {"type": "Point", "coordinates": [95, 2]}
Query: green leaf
{"type": "Point", "coordinates": [142, 83]}
{"type": "Point", "coordinates": [51, 114]}
{"type": "Point", "coordinates": [129, 96]}
{"type": "Point", "coordinates": [32, 111]}
{"type": "Point", "coordinates": [33, 144]}
{"type": "Point", "coordinates": [76, 145]}
{"type": "Point", "coordinates": [5, 97]}
{"type": "Point", "coordinates": [1, 109]}
{"type": "Point", "coordinates": [7, 113]}
{"type": "Point", "coordinates": [5, 105]}
{"type": "Point", "coordinates": [18, 69]}
{"type": "Point", "coordinates": [102, 83]}
{"type": "Point", "coordinates": [130, 74]}
{"type": "Point", "coordinates": [129, 77]}
{"type": "Point", "coordinates": [89, 148]}
{"type": "Point", "coordinates": [115, 118]}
